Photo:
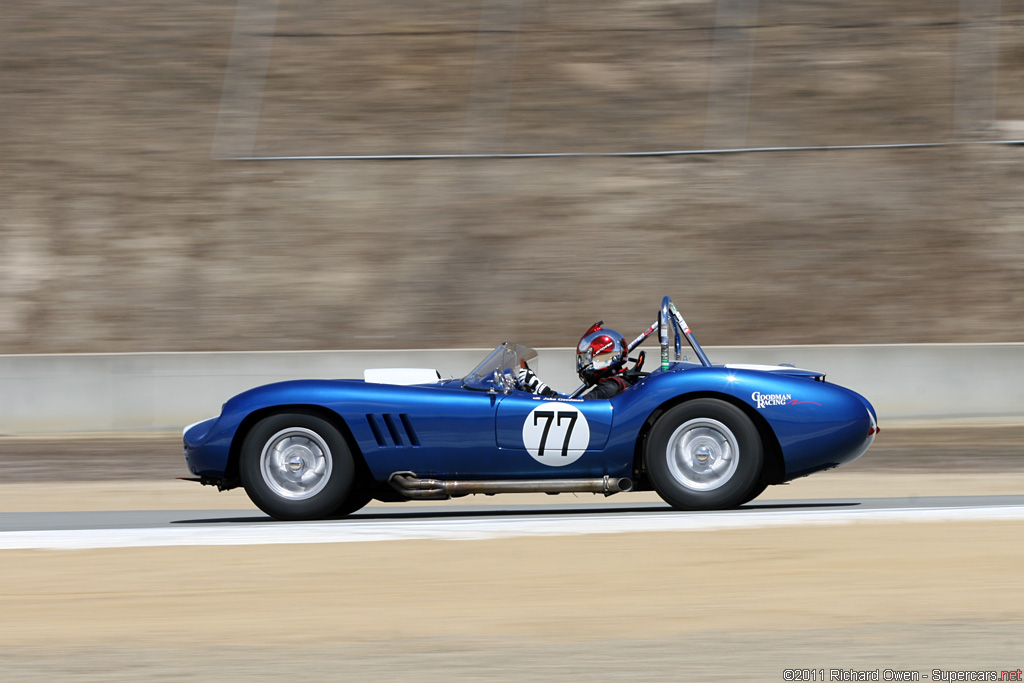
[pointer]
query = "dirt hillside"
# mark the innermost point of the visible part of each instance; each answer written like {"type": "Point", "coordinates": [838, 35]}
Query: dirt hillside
{"type": "Point", "coordinates": [120, 231]}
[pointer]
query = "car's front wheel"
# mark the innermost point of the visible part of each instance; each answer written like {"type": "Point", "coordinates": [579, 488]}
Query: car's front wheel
{"type": "Point", "coordinates": [704, 454]}
{"type": "Point", "coordinates": [357, 499]}
{"type": "Point", "coordinates": [296, 466]}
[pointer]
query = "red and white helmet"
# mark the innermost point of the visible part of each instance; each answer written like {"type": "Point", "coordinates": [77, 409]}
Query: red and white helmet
{"type": "Point", "coordinates": [601, 353]}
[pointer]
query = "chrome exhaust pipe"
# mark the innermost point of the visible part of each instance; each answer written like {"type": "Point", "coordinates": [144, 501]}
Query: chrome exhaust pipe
{"type": "Point", "coordinates": [411, 486]}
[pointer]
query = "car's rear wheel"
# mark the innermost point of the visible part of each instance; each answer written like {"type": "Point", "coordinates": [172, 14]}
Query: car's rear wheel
{"type": "Point", "coordinates": [704, 454]}
{"type": "Point", "coordinates": [296, 466]}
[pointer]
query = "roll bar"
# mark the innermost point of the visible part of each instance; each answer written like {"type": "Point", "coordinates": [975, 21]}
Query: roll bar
{"type": "Point", "coordinates": [669, 314]}
{"type": "Point", "coordinates": [669, 317]}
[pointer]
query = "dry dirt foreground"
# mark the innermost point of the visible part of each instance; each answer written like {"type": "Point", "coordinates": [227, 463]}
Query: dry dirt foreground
{"type": "Point", "coordinates": [723, 606]}
{"type": "Point", "coordinates": [691, 606]}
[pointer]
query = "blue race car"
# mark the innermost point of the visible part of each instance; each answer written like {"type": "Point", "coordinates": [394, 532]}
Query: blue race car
{"type": "Point", "coordinates": [703, 436]}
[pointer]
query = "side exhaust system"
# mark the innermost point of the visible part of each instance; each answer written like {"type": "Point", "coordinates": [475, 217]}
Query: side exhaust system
{"type": "Point", "coordinates": [411, 486]}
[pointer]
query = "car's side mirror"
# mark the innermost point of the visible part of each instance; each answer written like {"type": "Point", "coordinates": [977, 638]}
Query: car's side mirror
{"type": "Point", "coordinates": [503, 381]}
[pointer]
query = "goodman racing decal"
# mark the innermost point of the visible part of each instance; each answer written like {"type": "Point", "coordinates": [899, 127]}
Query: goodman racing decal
{"type": "Point", "coordinates": [556, 434]}
{"type": "Point", "coordinates": [767, 400]}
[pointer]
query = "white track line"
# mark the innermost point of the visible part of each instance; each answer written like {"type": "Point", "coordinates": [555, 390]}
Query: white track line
{"type": "Point", "coordinates": [356, 530]}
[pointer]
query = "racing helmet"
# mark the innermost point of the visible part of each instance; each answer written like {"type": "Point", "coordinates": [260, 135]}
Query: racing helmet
{"type": "Point", "coordinates": [600, 354]}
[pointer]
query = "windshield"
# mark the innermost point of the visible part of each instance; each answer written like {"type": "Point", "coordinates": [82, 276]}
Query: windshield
{"type": "Point", "coordinates": [498, 371]}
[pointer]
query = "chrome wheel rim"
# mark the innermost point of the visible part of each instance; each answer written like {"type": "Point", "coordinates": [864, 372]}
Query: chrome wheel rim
{"type": "Point", "coordinates": [703, 454]}
{"type": "Point", "coordinates": [296, 463]}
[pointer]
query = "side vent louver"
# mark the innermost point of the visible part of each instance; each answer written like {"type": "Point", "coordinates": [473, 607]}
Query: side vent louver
{"type": "Point", "coordinates": [375, 428]}
{"type": "Point", "coordinates": [395, 436]}
{"type": "Point", "coordinates": [397, 427]}
{"type": "Point", "coordinates": [413, 439]}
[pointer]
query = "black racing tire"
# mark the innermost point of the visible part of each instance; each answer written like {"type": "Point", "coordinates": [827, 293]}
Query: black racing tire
{"type": "Point", "coordinates": [356, 500]}
{"type": "Point", "coordinates": [705, 454]}
{"type": "Point", "coordinates": [296, 466]}
{"type": "Point", "coordinates": [758, 490]}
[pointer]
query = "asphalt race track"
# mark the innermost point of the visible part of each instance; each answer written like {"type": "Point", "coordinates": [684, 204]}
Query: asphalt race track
{"type": "Point", "coordinates": [147, 528]}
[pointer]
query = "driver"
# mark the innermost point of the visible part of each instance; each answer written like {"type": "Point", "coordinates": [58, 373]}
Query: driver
{"type": "Point", "coordinates": [600, 362]}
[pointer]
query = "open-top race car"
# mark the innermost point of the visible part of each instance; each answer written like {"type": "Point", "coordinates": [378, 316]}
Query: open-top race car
{"type": "Point", "coordinates": [703, 436]}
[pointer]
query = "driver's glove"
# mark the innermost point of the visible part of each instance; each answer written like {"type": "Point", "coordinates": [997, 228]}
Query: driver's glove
{"type": "Point", "coordinates": [528, 381]}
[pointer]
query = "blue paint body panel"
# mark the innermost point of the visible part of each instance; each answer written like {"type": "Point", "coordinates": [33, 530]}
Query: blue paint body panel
{"type": "Point", "coordinates": [454, 430]}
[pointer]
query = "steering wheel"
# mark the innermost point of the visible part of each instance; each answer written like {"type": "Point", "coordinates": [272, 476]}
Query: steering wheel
{"type": "Point", "coordinates": [639, 364]}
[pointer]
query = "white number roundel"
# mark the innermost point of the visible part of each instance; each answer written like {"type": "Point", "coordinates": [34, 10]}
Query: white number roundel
{"type": "Point", "coordinates": [556, 434]}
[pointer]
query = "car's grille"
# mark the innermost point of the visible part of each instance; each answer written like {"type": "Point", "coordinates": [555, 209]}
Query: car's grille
{"type": "Point", "coordinates": [398, 427]}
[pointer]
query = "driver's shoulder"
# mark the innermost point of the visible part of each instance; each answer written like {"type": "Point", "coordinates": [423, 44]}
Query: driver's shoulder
{"type": "Point", "coordinates": [607, 388]}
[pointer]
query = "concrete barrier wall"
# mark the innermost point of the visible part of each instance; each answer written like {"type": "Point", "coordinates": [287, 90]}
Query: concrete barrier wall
{"type": "Point", "coordinates": [48, 394]}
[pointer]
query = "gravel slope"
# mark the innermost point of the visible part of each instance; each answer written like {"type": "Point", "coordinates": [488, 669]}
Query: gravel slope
{"type": "Point", "coordinates": [119, 232]}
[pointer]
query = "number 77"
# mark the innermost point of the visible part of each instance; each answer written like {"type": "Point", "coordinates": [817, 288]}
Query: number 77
{"type": "Point", "coordinates": [549, 416]}
{"type": "Point", "coordinates": [573, 416]}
